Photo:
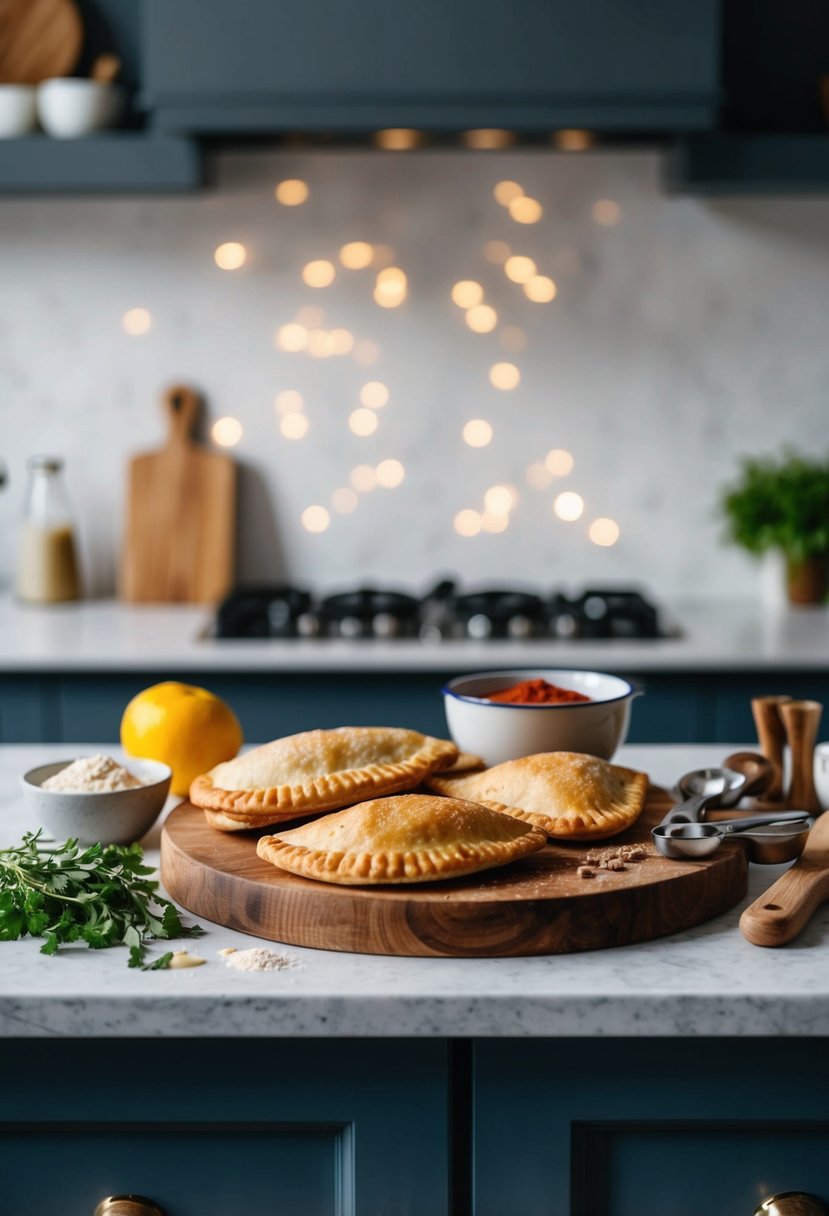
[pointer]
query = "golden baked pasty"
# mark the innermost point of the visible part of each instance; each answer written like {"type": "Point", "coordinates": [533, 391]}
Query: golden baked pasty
{"type": "Point", "coordinates": [410, 838]}
{"type": "Point", "coordinates": [570, 795]}
{"type": "Point", "coordinates": [318, 770]}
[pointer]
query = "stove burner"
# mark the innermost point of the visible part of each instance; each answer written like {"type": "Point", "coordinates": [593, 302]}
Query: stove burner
{"type": "Point", "coordinates": [284, 611]}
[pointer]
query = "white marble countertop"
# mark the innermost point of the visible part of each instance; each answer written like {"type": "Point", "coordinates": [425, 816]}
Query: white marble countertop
{"type": "Point", "coordinates": [707, 981]}
{"type": "Point", "coordinates": [108, 636]}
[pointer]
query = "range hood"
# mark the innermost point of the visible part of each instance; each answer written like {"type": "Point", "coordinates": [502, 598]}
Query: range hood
{"type": "Point", "coordinates": [347, 67]}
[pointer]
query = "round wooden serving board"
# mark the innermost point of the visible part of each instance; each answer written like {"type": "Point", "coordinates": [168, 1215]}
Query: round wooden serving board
{"type": "Point", "coordinates": [537, 905]}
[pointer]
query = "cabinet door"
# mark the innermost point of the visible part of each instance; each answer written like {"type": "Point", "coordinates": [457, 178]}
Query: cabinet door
{"type": "Point", "coordinates": [221, 1128]}
{"type": "Point", "coordinates": [644, 1127]}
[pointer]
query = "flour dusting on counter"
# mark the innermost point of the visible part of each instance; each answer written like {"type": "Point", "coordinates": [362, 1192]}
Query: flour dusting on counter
{"type": "Point", "coordinates": [259, 959]}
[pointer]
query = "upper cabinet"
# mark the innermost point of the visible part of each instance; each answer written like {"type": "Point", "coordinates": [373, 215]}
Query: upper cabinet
{"type": "Point", "coordinates": [350, 66]}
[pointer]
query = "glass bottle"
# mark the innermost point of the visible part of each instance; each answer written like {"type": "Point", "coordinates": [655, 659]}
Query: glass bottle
{"type": "Point", "coordinates": [47, 568]}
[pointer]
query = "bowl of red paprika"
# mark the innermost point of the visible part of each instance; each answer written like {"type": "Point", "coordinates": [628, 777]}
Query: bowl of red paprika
{"type": "Point", "coordinates": [503, 715]}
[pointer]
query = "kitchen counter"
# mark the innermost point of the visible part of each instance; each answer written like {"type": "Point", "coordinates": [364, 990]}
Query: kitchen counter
{"type": "Point", "coordinates": [106, 636]}
{"type": "Point", "coordinates": [706, 982]}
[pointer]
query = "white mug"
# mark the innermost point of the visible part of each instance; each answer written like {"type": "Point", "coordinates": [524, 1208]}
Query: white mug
{"type": "Point", "coordinates": [822, 774]}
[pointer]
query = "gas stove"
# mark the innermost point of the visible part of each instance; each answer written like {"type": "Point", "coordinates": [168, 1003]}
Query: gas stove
{"type": "Point", "coordinates": [445, 613]}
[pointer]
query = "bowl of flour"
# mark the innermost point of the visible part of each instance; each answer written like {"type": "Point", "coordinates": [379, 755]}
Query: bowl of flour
{"type": "Point", "coordinates": [95, 798]}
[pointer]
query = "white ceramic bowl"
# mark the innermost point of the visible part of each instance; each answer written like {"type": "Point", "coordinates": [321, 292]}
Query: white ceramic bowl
{"type": "Point", "coordinates": [113, 817]}
{"type": "Point", "coordinates": [69, 106]}
{"type": "Point", "coordinates": [18, 112]}
{"type": "Point", "coordinates": [496, 731]}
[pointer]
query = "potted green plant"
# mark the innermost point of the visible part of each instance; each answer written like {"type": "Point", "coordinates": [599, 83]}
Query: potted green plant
{"type": "Point", "coordinates": [783, 503]}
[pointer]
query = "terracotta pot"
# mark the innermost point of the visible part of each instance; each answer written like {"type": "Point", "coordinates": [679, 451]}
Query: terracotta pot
{"type": "Point", "coordinates": [808, 581]}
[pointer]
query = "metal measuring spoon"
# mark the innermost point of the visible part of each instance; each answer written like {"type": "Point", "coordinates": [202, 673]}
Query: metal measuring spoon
{"type": "Point", "coordinates": [770, 838]}
{"type": "Point", "coordinates": [704, 786]}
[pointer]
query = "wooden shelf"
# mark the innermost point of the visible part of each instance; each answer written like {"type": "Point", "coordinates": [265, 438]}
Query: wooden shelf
{"type": "Point", "coordinates": [749, 164]}
{"type": "Point", "coordinates": [118, 162]}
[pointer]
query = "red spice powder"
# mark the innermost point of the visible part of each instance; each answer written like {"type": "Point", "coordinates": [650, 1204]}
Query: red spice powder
{"type": "Point", "coordinates": [536, 692]}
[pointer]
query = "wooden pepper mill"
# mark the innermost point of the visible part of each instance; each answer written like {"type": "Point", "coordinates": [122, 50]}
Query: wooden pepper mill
{"type": "Point", "coordinates": [771, 731]}
{"type": "Point", "coordinates": [801, 720]}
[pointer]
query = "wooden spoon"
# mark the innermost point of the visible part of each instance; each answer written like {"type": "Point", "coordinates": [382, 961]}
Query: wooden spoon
{"type": "Point", "coordinates": [105, 68]}
{"type": "Point", "coordinates": [789, 904]}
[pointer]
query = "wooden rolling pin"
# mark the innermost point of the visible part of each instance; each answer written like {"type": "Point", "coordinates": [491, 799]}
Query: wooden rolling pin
{"type": "Point", "coordinates": [789, 904]}
{"type": "Point", "coordinates": [801, 720]}
{"type": "Point", "coordinates": [772, 735]}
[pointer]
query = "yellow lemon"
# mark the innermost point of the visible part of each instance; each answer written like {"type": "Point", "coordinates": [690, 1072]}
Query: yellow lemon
{"type": "Point", "coordinates": [186, 727]}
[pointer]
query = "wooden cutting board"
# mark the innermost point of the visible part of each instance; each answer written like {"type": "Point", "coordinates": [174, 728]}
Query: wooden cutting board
{"type": "Point", "coordinates": [181, 516]}
{"type": "Point", "coordinates": [38, 39]}
{"type": "Point", "coordinates": [537, 905]}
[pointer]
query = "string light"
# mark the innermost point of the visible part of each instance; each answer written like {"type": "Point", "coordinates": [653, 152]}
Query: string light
{"type": "Point", "coordinates": [292, 192]}
{"type": "Point", "coordinates": [559, 462]}
{"type": "Point", "coordinates": [320, 345]}
{"type": "Point", "coordinates": [390, 287]}
{"type": "Point", "coordinates": [294, 426]}
{"type": "Point", "coordinates": [500, 500]}
{"type": "Point", "coordinates": [481, 319]}
{"type": "Point", "coordinates": [356, 255]}
{"type": "Point", "coordinates": [467, 523]}
{"type": "Point", "coordinates": [540, 289]}
{"type": "Point", "coordinates": [342, 341]}
{"type": "Point", "coordinates": [289, 401]}
{"type": "Point", "coordinates": [136, 322]}
{"type": "Point", "coordinates": [477, 433]}
{"type": "Point", "coordinates": [311, 315]}
{"type": "Point", "coordinates": [506, 191]}
{"type": "Point", "coordinates": [467, 293]}
{"type": "Point", "coordinates": [504, 376]}
{"type": "Point", "coordinates": [363, 478]}
{"type": "Point", "coordinates": [315, 519]}
{"type": "Point", "coordinates": [374, 395]}
{"type": "Point", "coordinates": [491, 521]}
{"type": "Point", "coordinates": [487, 139]}
{"type": "Point", "coordinates": [496, 252]}
{"type": "Point", "coordinates": [398, 139]}
{"type": "Point", "coordinates": [525, 210]}
{"type": "Point", "coordinates": [344, 500]}
{"type": "Point", "coordinates": [568, 506]}
{"type": "Point", "coordinates": [519, 269]}
{"type": "Point", "coordinates": [390, 474]}
{"type": "Point", "coordinates": [606, 212]}
{"type": "Point", "coordinates": [362, 422]}
{"type": "Point", "coordinates": [604, 532]}
{"type": "Point", "coordinates": [538, 476]}
{"type": "Point", "coordinates": [292, 337]}
{"type": "Point", "coordinates": [230, 256]}
{"type": "Point", "coordinates": [318, 274]}
{"type": "Point", "coordinates": [573, 140]}
{"type": "Point", "coordinates": [226, 432]}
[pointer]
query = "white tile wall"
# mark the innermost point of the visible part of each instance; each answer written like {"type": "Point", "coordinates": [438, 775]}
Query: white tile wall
{"type": "Point", "coordinates": [686, 335]}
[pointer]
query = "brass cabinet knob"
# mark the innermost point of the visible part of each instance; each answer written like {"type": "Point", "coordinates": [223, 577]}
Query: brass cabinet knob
{"type": "Point", "coordinates": [127, 1205]}
{"type": "Point", "coordinates": [792, 1203]}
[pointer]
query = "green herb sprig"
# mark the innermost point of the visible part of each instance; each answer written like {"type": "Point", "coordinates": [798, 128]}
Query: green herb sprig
{"type": "Point", "coordinates": [102, 895]}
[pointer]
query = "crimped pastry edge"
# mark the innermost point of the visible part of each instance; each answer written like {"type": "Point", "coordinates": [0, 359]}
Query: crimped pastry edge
{"type": "Point", "coordinates": [383, 869]}
{"type": "Point", "coordinates": [260, 807]}
{"type": "Point", "coordinates": [563, 828]}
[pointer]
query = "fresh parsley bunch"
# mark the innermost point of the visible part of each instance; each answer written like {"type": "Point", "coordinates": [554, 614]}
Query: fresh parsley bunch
{"type": "Point", "coordinates": [102, 895]}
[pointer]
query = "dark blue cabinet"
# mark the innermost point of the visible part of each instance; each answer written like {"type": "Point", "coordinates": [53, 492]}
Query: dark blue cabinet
{"type": "Point", "coordinates": [533, 64]}
{"type": "Point", "coordinates": [221, 1128]}
{"type": "Point", "coordinates": [648, 1127]}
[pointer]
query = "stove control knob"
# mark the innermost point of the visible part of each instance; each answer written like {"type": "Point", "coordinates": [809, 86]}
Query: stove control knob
{"type": "Point", "coordinates": [279, 615]}
{"type": "Point", "coordinates": [351, 627]}
{"type": "Point", "coordinates": [430, 632]}
{"type": "Point", "coordinates": [519, 626]}
{"type": "Point", "coordinates": [385, 625]}
{"type": "Point", "coordinates": [565, 625]}
{"type": "Point", "coordinates": [479, 627]}
{"type": "Point", "coordinates": [307, 625]}
{"type": "Point", "coordinates": [595, 607]}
